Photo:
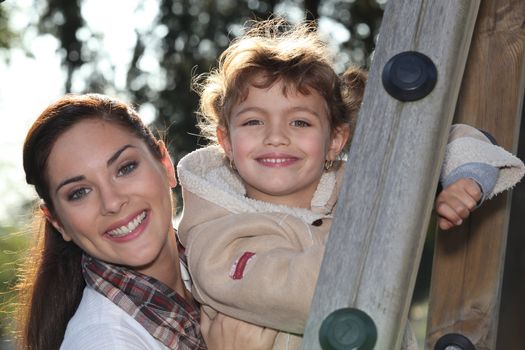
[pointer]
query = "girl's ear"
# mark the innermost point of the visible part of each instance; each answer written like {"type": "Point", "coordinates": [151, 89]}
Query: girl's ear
{"type": "Point", "coordinates": [168, 165]}
{"type": "Point", "coordinates": [339, 139]}
{"type": "Point", "coordinates": [224, 141]}
{"type": "Point", "coordinates": [54, 221]}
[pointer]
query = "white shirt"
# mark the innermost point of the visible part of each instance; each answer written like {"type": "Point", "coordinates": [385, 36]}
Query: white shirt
{"type": "Point", "coordinates": [99, 324]}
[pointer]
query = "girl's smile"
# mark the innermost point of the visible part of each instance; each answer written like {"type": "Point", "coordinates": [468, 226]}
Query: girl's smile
{"type": "Point", "coordinates": [276, 160]}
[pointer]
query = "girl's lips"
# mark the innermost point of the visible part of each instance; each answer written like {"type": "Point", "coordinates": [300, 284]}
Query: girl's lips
{"type": "Point", "coordinates": [276, 162]}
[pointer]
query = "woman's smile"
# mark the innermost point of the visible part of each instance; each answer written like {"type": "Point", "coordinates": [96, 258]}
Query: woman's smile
{"type": "Point", "coordinates": [130, 230]}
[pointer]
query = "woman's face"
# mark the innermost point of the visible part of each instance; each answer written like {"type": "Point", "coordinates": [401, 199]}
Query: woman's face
{"type": "Point", "coordinates": [111, 195]}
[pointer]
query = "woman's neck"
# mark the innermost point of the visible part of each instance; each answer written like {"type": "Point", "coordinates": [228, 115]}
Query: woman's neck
{"type": "Point", "coordinates": [166, 267]}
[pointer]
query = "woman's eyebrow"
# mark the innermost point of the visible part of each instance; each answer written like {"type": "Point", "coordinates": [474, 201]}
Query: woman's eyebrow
{"type": "Point", "coordinates": [68, 181]}
{"type": "Point", "coordinates": [110, 161]}
{"type": "Point", "coordinates": [117, 154]}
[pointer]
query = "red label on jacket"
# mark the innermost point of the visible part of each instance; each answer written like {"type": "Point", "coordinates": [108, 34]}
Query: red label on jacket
{"type": "Point", "coordinates": [237, 270]}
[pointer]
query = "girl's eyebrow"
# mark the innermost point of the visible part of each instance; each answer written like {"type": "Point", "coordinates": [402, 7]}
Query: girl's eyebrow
{"type": "Point", "coordinates": [304, 109]}
{"type": "Point", "coordinates": [248, 109]}
{"type": "Point", "coordinates": [293, 109]}
{"type": "Point", "coordinates": [110, 161]}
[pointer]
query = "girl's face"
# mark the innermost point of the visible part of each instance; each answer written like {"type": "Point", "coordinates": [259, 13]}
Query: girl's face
{"type": "Point", "coordinates": [279, 143]}
{"type": "Point", "coordinates": [111, 195]}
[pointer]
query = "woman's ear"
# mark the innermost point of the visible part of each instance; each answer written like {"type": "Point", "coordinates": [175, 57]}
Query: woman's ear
{"type": "Point", "coordinates": [54, 221]}
{"type": "Point", "coordinates": [168, 165]}
{"type": "Point", "coordinates": [339, 139]}
{"type": "Point", "coordinates": [224, 141]}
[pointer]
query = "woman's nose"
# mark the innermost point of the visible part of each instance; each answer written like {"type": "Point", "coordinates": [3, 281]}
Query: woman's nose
{"type": "Point", "coordinates": [112, 199]}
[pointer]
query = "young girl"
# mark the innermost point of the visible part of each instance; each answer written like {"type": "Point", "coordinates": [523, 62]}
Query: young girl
{"type": "Point", "coordinates": [258, 208]}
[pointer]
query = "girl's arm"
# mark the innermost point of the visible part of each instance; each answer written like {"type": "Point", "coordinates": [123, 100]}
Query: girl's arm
{"type": "Point", "coordinates": [470, 153]}
{"type": "Point", "coordinates": [475, 169]}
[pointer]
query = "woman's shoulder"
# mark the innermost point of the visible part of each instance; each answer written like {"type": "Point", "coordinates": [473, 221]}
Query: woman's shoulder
{"type": "Point", "coordinates": [96, 308]}
{"type": "Point", "coordinates": [100, 324]}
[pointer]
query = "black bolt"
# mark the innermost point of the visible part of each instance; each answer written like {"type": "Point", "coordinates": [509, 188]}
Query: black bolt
{"type": "Point", "coordinates": [454, 339]}
{"type": "Point", "coordinates": [409, 76]}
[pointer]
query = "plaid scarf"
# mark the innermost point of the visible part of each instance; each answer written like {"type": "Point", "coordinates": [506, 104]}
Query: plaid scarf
{"type": "Point", "coordinates": [166, 315]}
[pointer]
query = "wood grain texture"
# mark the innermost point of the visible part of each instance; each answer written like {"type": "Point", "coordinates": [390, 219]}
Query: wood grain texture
{"type": "Point", "coordinates": [375, 244]}
{"type": "Point", "coordinates": [512, 309]}
{"type": "Point", "coordinates": [468, 263]}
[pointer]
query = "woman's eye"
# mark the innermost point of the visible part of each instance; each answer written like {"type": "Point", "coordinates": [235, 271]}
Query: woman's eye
{"type": "Point", "coordinates": [127, 168]}
{"type": "Point", "coordinates": [300, 123]}
{"type": "Point", "coordinates": [78, 194]}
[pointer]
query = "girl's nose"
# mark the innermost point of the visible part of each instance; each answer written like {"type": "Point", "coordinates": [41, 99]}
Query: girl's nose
{"type": "Point", "coordinates": [276, 135]}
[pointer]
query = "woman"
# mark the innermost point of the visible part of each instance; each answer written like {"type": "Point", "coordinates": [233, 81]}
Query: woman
{"type": "Point", "coordinates": [106, 273]}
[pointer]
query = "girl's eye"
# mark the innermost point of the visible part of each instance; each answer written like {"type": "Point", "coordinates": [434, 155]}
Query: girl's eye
{"type": "Point", "coordinates": [252, 122]}
{"type": "Point", "coordinates": [300, 123]}
{"type": "Point", "coordinates": [127, 168]}
{"type": "Point", "coordinates": [78, 194]}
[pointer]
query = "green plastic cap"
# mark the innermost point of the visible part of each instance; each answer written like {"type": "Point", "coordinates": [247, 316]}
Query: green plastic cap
{"type": "Point", "coordinates": [348, 329]}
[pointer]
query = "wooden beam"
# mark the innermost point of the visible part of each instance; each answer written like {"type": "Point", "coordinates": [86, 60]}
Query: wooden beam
{"type": "Point", "coordinates": [512, 308]}
{"type": "Point", "coordinates": [468, 264]}
{"type": "Point", "coordinates": [375, 245]}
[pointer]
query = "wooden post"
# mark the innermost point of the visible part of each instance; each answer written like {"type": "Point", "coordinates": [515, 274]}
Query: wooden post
{"type": "Point", "coordinates": [512, 309]}
{"type": "Point", "coordinates": [468, 263]}
{"type": "Point", "coordinates": [382, 214]}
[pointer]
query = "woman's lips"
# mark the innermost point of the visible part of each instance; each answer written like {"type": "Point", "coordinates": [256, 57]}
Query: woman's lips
{"type": "Point", "coordinates": [130, 230]}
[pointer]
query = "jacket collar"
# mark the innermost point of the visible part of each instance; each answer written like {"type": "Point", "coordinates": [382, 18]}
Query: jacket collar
{"type": "Point", "coordinates": [206, 173]}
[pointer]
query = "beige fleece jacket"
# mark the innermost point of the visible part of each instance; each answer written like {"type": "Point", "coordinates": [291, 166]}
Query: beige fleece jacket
{"type": "Point", "coordinates": [259, 261]}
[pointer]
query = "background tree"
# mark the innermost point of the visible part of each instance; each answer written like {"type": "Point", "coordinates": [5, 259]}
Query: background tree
{"type": "Point", "coordinates": [8, 37]}
{"type": "Point", "coordinates": [186, 38]}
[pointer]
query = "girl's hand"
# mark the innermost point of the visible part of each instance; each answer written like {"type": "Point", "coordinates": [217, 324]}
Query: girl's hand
{"type": "Point", "coordinates": [227, 333]}
{"type": "Point", "coordinates": [455, 203]}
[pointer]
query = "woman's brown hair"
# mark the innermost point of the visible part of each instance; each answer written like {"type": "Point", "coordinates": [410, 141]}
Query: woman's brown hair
{"type": "Point", "coordinates": [52, 283]}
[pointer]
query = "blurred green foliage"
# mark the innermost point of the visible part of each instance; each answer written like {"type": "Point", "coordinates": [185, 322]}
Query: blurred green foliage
{"type": "Point", "coordinates": [7, 36]}
{"type": "Point", "coordinates": [13, 244]}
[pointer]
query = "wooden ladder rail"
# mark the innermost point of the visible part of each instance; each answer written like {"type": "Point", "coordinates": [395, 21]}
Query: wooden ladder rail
{"type": "Point", "coordinates": [468, 262]}
{"type": "Point", "coordinates": [373, 251]}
